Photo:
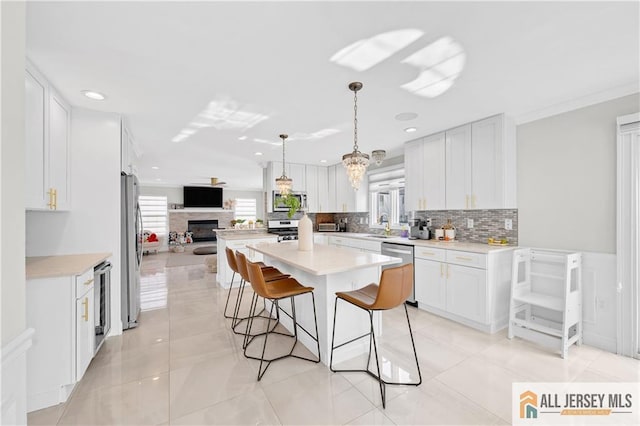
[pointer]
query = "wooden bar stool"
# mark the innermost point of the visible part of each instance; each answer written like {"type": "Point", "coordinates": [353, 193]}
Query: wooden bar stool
{"type": "Point", "coordinates": [276, 291]}
{"type": "Point", "coordinates": [232, 260]}
{"type": "Point", "coordinates": [396, 285]}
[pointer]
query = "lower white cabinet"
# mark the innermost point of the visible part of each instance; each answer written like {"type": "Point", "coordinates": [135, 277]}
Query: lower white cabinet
{"type": "Point", "coordinates": [471, 288]}
{"type": "Point", "coordinates": [225, 274]}
{"type": "Point", "coordinates": [356, 243]}
{"type": "Point", "coordinates": [61, 311]}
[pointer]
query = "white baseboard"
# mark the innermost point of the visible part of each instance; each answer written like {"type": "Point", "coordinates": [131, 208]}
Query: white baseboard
{"type": "Point", "coordinates": [14, 379]}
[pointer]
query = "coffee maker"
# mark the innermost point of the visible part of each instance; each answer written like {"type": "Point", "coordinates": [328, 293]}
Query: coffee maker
{"type": "Point", "coordinates": [414, 229]}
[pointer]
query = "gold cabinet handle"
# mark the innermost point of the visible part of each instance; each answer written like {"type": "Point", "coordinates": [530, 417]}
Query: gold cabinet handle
{"type": "Point", "coordinates": [55, 199]}
{"type": "Point", "coordinates": [427, 253]}
{"type": "Point", "coordinates": [473, 201]}
{"type": "Point", "coordinates": [467, 259]}
{"type": "Point", "coordinates": [87, 282]}
{"type": "Point", "coordinates": [85, 303]}
{"type": "Point", "coordinates": [50, 203]}
{"type": "Point", "coordinates": [441, 270]}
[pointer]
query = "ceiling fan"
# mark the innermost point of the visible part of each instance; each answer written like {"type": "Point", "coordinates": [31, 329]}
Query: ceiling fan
{"type": "Point", "coordinates": [212, 182]}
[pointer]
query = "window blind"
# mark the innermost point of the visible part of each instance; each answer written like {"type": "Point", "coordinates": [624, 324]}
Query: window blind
{"type": "Point", "coordinates": [246, 209]}
{"type": "Point", "coordinates": [154, 213]}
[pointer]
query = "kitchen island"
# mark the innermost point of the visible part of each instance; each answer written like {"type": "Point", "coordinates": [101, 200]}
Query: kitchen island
{"type": "Point", "coordinates": [329, 270]}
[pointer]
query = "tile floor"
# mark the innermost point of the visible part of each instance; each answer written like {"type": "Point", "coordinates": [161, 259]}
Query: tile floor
{"type": "Point", "coordinates": [182, 366]}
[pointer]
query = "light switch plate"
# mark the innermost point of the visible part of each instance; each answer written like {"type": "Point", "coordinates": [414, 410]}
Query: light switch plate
{"type": "Point", "coordinates": [470, 223]}
{"type": "Point", "coordinates": [508, 224]}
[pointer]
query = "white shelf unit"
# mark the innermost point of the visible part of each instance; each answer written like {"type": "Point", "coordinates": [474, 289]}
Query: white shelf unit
{"type": "Point", "coordinates": [546, 298]}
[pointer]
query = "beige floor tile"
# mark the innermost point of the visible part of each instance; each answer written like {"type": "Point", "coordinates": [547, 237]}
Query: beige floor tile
{"type": "Point", "coordinates": [486, 384]}
{"type": "Point", "coordinates": [201, 347]}
{"type": "Point", "coordinates": [46, 416]}
{"type": "Point", "coordinates": [623, 369]}
{"type": "Point", "coordinates": [433, 403]}
{"type": "Point", "coordinates": [539, 363]}
{"type": "Point", "coordinates": [373, 417]}
{"type": "Point", "coordinates": [251, 408]}
{"type": "Point", "coordinates": [197, 324]}
{"type": "Point", "coordinates": [204, 384]}
{"type": "Point", "coordinates": [139, 402]}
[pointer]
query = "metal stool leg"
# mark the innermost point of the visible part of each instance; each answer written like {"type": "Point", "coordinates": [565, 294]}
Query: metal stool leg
{"type": "Point", "coordinates": [229, 294]}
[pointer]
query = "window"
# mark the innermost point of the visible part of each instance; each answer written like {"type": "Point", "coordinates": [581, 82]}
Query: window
{"type": "Point", "coordinates": [246, 209]}
{"type": "Point", "coordinates": [154, 213]}
{"type": "Point", "coordinates": [386, 195]}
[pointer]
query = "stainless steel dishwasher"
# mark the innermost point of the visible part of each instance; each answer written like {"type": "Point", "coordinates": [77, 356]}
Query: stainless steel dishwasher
{"type": "Point", "coordinates": [404, 252]}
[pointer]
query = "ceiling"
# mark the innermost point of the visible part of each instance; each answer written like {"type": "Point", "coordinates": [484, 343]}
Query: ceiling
{"type": "Point", "coordinates": [226, 78]}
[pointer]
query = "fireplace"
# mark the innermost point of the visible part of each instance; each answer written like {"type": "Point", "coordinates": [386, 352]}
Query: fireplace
{"type": "Point", "coordinates": [202, 230]}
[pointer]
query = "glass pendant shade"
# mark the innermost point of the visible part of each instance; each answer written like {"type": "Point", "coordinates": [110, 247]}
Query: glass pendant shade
{"type": "Point", "coordinates": [378, 156]}
{"type": "Point", "coordinates": [284, 183]}
{"type": "Point", "coordinates": [355, 162]}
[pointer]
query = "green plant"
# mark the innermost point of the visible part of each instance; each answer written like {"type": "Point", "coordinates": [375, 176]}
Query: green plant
{"type": "Point", "coordinates": [292, 202]}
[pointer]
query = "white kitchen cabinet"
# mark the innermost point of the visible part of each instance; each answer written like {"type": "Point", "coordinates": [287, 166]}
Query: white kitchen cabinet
{"type": "Point", "coordinates": [225, 274]}
{"type": "Point", "coordinates": [355, 243]}
{"type": "Point", "coordinates": [346, 198]}
{"type": "Point", "coordinates": [47, 141]}
{"type": "Point", "coordinates": [320, 239]}
{"type": "Point", "coordinates": [425, 173]}
{"type": "Point", "coordinates": [61, 311]}
{"type": "Point", "coordinates": [471, 288]}
{"type": "Point", "coordinates": [458, 167]}
{"type": "Point", "coordinates": [331, 186]}
{"type": "Point", "coordinates": [481, 165]}
{"type": "Point", "coordinates": [317, 189]}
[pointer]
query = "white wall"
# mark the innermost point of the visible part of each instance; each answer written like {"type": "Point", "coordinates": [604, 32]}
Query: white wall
{"type": "Point", "coordinates": [14, 339]}
{"type": "Point", "coordinates": [567, 200]}
{"type": "Point", "coordinates": [567, 178]}
{"type": "Point", "coordinates": [12, 273]}
{"type": "Point", "coordinates": [93, 224]}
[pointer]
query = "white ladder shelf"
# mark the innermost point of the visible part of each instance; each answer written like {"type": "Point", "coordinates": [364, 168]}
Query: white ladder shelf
{"type": "Point", "coordinates": [546, 298]}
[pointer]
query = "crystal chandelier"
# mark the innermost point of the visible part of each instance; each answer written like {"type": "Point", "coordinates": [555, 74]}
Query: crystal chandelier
{"type": "Point", "coordinates": [355, 162]}
{"type": "Point", "coordinates": [283, 182]}
{"type": "Point", "coordinates": [378, 155]}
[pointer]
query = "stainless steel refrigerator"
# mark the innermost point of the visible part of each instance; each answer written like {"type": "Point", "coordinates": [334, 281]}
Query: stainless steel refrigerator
{"type": "Point", "coordinates": [131, 241]}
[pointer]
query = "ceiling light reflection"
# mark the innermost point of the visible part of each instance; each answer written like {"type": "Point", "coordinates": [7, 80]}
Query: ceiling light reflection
{"type": "Point", "coordinates": [440, 63]}
{"type": "Point", "coordinates": [221, 114]}
{"type": "Point", "coordinates": [365, 53]}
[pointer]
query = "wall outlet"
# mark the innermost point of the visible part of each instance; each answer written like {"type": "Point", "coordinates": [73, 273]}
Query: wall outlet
{"type": "Point", "coordinates": [470, 223]}
{"type": "Point", "coordinates": [508, 224]}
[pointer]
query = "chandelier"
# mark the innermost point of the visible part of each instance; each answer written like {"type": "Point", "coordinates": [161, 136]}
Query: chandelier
{"type": "Point", "coordinates": [283, 182]}
{"type": "Point", "coordinates": [355, 162]}
{"type": "Point", "coordinates": [378, 156]}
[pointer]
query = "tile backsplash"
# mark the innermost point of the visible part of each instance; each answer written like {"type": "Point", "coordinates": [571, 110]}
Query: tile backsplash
{"type": "Point", "coordinates": [486, 223]}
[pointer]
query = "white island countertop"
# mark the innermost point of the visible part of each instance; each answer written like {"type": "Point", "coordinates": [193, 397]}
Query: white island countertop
{"type": "Point", "coordinates": [246, 235]}
{"type": "Point", "coordinates": [324, 259]}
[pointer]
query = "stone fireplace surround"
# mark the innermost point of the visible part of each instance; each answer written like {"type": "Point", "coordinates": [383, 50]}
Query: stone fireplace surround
{"type": "Point", "coordinates": [178, 218]}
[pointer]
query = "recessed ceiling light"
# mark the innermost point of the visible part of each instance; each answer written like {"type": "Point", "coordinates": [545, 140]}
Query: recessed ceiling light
{"type": "Point", "coordinates": [406, 116]}
{"type": "Point", "coordinates": [258, 153]}
{"type": "Point", "coordinates": [155, 167]}
{"type": "Point", "coordinates": [323, 161]}
{"type": "Point", "coordinates": [410, 129]}
{"type": "Point", "coordinates": [241, 138]}
{"type": "Point", "coordinates": [96, 96]}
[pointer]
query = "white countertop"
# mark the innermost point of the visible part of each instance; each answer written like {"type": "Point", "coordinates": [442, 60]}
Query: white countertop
{"type": "Point", "coordinates": [246, 236]}
{"type": "Point", "coordinates": [324, 259]}
{"type": "Point", "coordinates": [62, 266]}
{"type": "Point", "coordinates": [448, 245]}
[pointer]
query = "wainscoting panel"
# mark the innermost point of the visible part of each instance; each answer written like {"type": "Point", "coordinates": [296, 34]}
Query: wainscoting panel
{"type": "Point", "coordinates": [14, 379]}
{"type": "Point", "coordinates": [599, 300]}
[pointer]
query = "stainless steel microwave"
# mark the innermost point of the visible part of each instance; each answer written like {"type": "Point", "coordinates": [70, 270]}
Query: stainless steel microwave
{"type": "Point", "coordinates": [278, 206]}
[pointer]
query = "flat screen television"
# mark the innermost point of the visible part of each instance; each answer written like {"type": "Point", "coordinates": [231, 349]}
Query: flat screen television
{"type": "Point", "coordinates": [202, 196]}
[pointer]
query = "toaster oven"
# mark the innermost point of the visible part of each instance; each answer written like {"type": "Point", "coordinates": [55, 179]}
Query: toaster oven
{"type": "Point", "coordinates": [327, 227]}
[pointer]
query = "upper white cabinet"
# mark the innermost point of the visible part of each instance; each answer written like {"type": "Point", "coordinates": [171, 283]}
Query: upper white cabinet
{"type": "Point", "coordinates": [346, 198]}
{"type": "Point", "coordinates": [128, 151]}
{"type": "Point", "coordinates": [424, 165]}
{"type": "Point", "coordinates": [47, 141]}
{"type": "Point", "coordinates": [467, 167]}
{"type": "Point", "coordinates": [317, 189]}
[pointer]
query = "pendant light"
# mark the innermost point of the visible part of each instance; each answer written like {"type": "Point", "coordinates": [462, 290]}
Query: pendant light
{"type": "Point", "coordinates": [355, 162]}
{"type": "Point", "coordinates": [283, 182]}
